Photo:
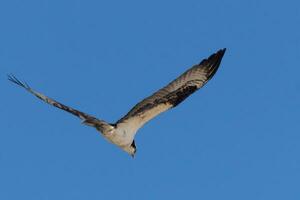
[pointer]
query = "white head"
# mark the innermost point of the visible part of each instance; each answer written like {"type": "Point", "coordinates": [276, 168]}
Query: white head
{"type": "Point", "coordinates": [131, 149]}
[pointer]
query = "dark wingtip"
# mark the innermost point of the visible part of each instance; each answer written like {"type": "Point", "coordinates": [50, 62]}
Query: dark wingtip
{"type": "Point", "coordinates": [220, 53]}
{"type": "Point", "coordinates": [13, 79]}
{"type": "Point", "coordinates": [223, 50]}
{"type": "Point", "coordinates": [133, 146]}
{"type": "Point", "coordinates": [213, 62]}
{"type": "Point", "coordinates": [214, 57]}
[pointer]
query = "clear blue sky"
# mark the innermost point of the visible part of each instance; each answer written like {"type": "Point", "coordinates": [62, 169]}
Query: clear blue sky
{"type": "Point", "coordinates": [237, 138]}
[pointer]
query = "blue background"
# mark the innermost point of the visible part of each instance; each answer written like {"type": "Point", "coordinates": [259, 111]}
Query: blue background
{"type": "Point", "coordinates": [237, 138]}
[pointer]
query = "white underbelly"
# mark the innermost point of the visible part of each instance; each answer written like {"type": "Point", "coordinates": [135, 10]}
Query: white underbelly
{"type": "Point", "coordinates": [119, 138]}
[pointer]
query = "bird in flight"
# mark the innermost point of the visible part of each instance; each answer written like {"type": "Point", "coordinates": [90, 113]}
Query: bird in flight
{"type": "Point", "coordinates": [122, 132]}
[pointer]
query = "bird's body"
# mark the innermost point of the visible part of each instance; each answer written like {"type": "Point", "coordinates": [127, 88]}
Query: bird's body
{"type": "Point", "coordinates": [122, 132]}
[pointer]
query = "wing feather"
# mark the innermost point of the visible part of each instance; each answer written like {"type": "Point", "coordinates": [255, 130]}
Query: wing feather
{"type": "Point", "coordinates": [86, 119]}
{"type": "Point", "coordinates": [174, 93]}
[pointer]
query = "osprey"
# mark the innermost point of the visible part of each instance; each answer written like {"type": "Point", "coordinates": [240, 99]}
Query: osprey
{"type": "Point", "coordinates": [122, 132]}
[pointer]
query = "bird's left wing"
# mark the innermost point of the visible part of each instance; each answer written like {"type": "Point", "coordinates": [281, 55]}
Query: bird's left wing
{"type": "Point", "coordinates": [86, 119]}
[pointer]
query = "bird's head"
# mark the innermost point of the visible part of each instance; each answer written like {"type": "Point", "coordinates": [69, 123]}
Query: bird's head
{"type": "Point", "coordinates": [131, 149]}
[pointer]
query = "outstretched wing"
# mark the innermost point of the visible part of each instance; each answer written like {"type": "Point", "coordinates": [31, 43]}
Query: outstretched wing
{"type": "Point", "coordinates": [86, 119]}
{"type": "Point", "coordinates": [172, 94]}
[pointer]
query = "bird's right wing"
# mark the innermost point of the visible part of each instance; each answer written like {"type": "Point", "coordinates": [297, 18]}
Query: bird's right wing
{"type": "Point", "coordinates": [86, 119]}
{"type": "Point", "coordinates": [172, 94]}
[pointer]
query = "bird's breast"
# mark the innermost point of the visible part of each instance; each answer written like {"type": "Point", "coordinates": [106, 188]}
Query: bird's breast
{"type": "Point", "coordinates": [119, 137]}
